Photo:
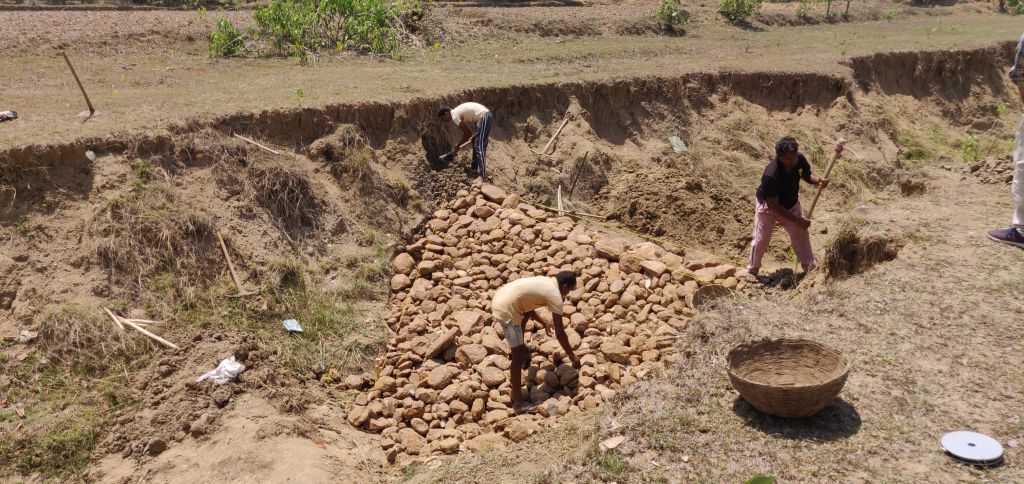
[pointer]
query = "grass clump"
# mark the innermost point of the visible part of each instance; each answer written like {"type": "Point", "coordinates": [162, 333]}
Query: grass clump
{"type": "Point", "coordinates": [153, 230]}
{"type": "Point", "coordinates": [672, 17]}
{"type": "Point", "coordinates": [737, 11]}
{"type": "Point", "coordinates": [226, 40]}
{"type": "Point", "coordinates": [68, 390]}
{"type": "Point", "coordinates": [288, 194]}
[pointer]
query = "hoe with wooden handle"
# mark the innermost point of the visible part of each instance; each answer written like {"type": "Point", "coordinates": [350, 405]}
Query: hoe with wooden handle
{"type": "Point", "coordinates": [92, 110]}
{"type": "Point", "coordinates": [828, 171]}
{"type": "Point", "coordinates": [231, 268]}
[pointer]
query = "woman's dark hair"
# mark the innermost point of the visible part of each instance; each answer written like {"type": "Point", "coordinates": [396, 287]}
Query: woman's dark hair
{"type": "Point", "coordinates": [566, 279]}
{"type": "Point", "coordinates": [442, 111]}
{"type": "Point", "coordinates": [785, 145]}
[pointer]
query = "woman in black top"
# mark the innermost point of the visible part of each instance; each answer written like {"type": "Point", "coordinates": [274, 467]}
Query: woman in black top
{"type": "Point", "coordinates": [778, 203]}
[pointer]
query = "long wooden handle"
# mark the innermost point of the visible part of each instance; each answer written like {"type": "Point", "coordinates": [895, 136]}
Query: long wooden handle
{"type": "Point", "coordinates": [828, 171]}
{"type": "Point", "coordinates": [552, 140]}
{"type": "Point", "coordinates": [92, 110]}
{"type": "Point", "coordinates": [231, 266]}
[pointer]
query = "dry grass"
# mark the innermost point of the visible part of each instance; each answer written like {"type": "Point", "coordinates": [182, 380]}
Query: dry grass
{"type": "Point", "coordinates": [68, 391]}
{"type": "Point", "coordinates": [288, 194]}
{"type": "Point", "coordinates": [154, 230]}
{"type": "Point", "coordinates": [852, 252]}
{"type": "Point", "coordinates": [349, 158]}
{"type": "Point", "coordinates": [88, 341]}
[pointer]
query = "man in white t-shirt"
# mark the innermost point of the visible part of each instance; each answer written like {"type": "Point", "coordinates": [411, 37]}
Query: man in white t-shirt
{"type": "Point", "coordinates": [471, 114]}
{"type": "Point", "coordinates": [513, 306]}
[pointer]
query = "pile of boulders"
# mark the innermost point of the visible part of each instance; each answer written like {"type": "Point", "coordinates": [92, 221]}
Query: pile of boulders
{"type": "Point", "coordinates": [443, 385]}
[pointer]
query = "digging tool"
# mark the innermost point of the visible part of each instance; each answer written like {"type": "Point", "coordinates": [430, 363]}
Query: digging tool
{"type": "Point", "coordinates": [544, 152]}
{"type": "Point", "coordinates": [253, 142]}
{"type": "Point", "coordinates": [828, 171]}
{"type": "Point", "coordinates": [449, 156]}
{"type": "Point", "coordinates": [231, 268]}
{"type": "Point", "coordinates": [92, 110]}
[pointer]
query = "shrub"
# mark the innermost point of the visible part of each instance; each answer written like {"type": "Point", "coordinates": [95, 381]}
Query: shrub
{"type": "Point", "coordinates": [303, 27]}
{"type": "Point", "coordinates": [738, 10]}
{"type": "Point", "coordinates": [1016, 6]}
{"type": "Point", "coordinates": [226, 40]}
{"type": "Point", "coordinates": [970, 148]}
{"type": "Point", "coordinates": [671, 16]}
{"type": "Point", "coordinates": [890, 14]}
{"type": "Point", "coordinates": [803, 10]}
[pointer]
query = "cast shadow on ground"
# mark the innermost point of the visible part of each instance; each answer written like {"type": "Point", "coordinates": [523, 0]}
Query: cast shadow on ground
{"type": "Point", "coordinates": [784, 279]}
{"type": "Point", "coordinates": [837, 421]}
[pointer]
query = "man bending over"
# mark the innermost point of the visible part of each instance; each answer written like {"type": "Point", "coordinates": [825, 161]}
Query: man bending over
{"type": "Point", "coordinates": [513, 306]}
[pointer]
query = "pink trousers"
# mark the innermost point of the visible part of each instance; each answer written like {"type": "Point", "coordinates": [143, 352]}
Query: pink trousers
{"type": "Point", "coordinates": [765, 220]}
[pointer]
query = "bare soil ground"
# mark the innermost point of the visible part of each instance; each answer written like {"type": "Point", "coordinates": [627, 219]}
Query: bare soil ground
{"type": "Point", "coordinates": [923, 101]}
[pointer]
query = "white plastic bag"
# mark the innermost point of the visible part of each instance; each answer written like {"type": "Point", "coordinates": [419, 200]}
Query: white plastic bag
{"type": "Point", "coordinates": [227, 370]}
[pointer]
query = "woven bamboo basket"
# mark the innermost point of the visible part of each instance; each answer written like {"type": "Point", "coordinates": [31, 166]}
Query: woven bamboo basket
{"type": "Point", "coordinates": [788, 377]}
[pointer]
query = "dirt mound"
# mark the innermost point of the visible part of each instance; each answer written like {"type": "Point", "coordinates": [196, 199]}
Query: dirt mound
{"type": "Point", "coordinates": [443, 383]}
{"type": "Point", "coordinates": [852, 252]}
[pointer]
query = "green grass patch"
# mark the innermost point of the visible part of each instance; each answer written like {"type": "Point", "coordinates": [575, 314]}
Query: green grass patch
{"type": "Point", "coordinates": [68, 391]}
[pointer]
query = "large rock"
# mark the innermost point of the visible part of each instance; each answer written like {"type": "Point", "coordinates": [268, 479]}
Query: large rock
{"type": "Point", "coordinates": [483, 442]}
{"type": "Point", "coordinates": [411, 440]}
{"type": "Point", "coordinates": [399, 282]}
{"type": "Point", "coordinates": [470, 354]}
{"type": "Point", "coordinates": [493, 193]}
{"type": "Point", "coordinates": [358, 415]}
{"type": "Point", "coordinates": [520, 429]}
{"type": "Point", "coordinates": [440, 377]}
{"type": "Point", "coordinates": [403, 263]}
{"type": "Point", "coordinates": [630, 263]}
{"type": "Point", "coordinates": [610, 249]}
{"type": "Point", "coordinates": [653, 268]}
{"type": "Point", "coordinates": [615, 351]}
{"type": "Point", "coordinates": [482, 211]}
{"type": "Point", "coordinates": [492, 376]}
{"type": "Point", "coordinates": [466, 321]}
{"type": "Point", "coordinates": [439, 344]}
{"type": "Point", "coordinates": [647, 250]}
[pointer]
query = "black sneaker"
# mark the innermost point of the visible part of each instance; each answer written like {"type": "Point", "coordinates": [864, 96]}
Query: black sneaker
{"type": "Point", "coordinates": [1009, 236]}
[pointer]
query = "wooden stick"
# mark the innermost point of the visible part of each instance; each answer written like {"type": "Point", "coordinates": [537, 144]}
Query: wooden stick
{"type": "Point", "coordinates": [248, 140]}
{"type": "Point", "coordinates": [92, 110]}
{"type": "Point", "coordinates": [120, 327]}
{"type": "Point", "coordinates": [573, 212]}
{"type": "Point", "coordinates": [576, 178]}
{"type": "Point", "coordinates": [559, 199]}
{"type": "Point", "coordinates": [141, 321]}
{"type": "Point", "coordinates": [828, 171]}
{"type": "Point", "coordinates": [564, 122]}
{"type": "Point", "coordinates": [151, 335]}
{"type": "Point", "coordinates": [231, 266]}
